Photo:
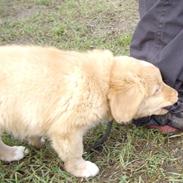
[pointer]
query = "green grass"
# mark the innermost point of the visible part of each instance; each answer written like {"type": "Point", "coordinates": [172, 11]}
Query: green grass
{"type": "Point", "coordinates": [131, 155]}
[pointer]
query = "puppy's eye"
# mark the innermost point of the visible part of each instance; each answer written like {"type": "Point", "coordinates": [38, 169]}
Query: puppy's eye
{"type": "Point", "coordinates": [157, 90]}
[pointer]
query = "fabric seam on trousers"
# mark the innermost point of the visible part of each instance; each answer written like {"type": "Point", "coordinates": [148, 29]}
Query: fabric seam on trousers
{"type": "Point", "coordinates": [161, 25]}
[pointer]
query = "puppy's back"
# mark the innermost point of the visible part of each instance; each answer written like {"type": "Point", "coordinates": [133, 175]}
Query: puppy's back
{"type": "Point", "coordinates": [32, 81]}
{"type": "Point", "coordinates": [38, 84]}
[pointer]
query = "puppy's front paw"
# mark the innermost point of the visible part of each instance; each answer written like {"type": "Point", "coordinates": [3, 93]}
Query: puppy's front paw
{"type": "Point", "coordinates": [90, 170]}
{"type": "Point", "coordinates": [82, 168]}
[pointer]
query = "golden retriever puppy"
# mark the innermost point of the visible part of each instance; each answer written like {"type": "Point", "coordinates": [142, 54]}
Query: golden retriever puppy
{"type": "Point", "coordinates": [61, 94]}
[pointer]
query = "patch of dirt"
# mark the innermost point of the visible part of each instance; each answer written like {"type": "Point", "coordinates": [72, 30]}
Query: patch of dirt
{"type": "Point", "coordinates": [122, 19]}
{"type": "Point", "coordinates": [175, 148]}
{"type": "Point", "coordinates": [9, 10]}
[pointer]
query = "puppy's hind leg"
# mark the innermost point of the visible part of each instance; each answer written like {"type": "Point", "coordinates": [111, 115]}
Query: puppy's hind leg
{"type": "Point", "coordinates": [36, 141]}
{"type": "Point", "coordinates": [13, 153]}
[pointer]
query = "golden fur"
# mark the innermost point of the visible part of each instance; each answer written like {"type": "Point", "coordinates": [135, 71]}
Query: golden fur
{"type": "Point", "coordinates": [60, 94]}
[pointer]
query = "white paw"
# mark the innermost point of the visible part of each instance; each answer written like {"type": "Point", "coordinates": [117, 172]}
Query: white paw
{"type": "Point", "coordinates": [42, 141]}
{"type": "Point", "coordinates": [90, 169]}
{"type": "Point", "coordinates": [19, 153]}
{"type": "Point", "coordinates": [81, 168]}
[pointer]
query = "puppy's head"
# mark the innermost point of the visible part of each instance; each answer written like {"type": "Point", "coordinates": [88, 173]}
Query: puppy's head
{"type": "Point", "coordinates": [137, 90]}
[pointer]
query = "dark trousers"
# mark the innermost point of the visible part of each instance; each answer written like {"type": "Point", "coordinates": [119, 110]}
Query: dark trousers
{"type": "Point", "coordinates": [158, 37]}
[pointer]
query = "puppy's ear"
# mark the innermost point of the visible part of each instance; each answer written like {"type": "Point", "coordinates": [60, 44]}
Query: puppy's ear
{"type": "Point", "coordinates": [125, 96]}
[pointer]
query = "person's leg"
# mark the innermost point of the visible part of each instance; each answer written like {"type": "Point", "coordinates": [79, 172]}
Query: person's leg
{"type": "Point", "coordinates": [159, 39]}
{"type": "Point", "coordinates": [158, 36]}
